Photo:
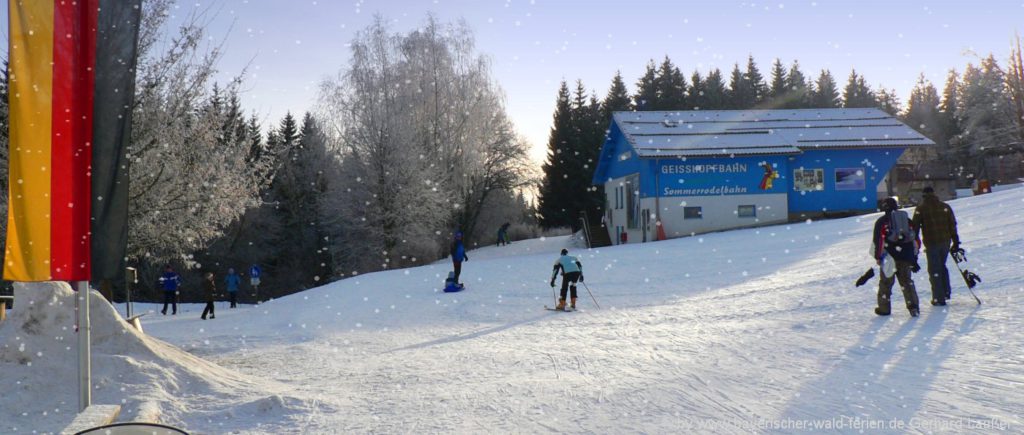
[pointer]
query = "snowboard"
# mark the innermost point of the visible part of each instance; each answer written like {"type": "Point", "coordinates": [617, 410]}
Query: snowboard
{"type": "Point", "coordinates": [970, 278]}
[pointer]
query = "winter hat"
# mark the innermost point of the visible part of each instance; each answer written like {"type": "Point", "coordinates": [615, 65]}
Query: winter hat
{"type": "Point", "coordinates": [928, 190]}
{"type": "Point", "coordinates": [889, 204]}
{"type": "Point", "coordinates": [565, 252]}
{"type": "Point", "coordinates": [458, 235]}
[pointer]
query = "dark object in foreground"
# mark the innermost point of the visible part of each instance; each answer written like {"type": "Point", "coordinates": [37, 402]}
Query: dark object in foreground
{"type": "Point", "coordinates": [866, 277]}
{"type": "Point", "coordinates": [970, 278]}
{"type": "Point", "coordinates": [133, 428]}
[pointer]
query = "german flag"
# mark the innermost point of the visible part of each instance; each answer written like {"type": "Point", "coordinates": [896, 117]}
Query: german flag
{"type": "Point", "coordinates": [72, 80]}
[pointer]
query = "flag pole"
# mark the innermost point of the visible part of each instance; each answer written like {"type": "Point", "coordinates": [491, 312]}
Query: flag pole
{"type": "Point", "coordinates": [84, 353]}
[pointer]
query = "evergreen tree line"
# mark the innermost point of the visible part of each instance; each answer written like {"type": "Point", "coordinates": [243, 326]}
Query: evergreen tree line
{"type": "Point", "coordinates": [982, 109]}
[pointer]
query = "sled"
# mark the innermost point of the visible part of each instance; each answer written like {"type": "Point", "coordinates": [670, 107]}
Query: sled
{"type": "Point", "coordinates": [454, 288]}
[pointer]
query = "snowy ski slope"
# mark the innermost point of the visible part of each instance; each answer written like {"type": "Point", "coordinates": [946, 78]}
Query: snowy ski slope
{"type": "Point", "coordinates": [751, 330]}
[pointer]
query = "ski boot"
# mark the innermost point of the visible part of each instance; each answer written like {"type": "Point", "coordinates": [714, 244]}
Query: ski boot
{"type": "Point", "coordinates": [573, 304]}
{"type": "Point", "coordinates": [561, 304]}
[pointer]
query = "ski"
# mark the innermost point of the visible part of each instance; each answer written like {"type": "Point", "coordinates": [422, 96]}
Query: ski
{"type": "Point", "coordinates": [567, 310]}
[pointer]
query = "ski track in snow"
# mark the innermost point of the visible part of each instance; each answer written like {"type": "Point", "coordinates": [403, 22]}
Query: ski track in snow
{"type": "Point", "coordinates": [723, 329]}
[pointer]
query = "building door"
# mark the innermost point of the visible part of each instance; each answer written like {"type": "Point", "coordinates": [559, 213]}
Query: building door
{"type": "Point", "coordinates": [646, 223]}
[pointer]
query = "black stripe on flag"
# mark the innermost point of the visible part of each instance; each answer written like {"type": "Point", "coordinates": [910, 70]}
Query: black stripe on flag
{"type": "Point", "coordinates": [117, 42]}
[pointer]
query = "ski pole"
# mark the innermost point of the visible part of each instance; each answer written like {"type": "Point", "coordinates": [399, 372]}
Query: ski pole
{"type": "Point", "coordinates": [554, 300]}
{"type": "Point", "coordinates": [591, 294]}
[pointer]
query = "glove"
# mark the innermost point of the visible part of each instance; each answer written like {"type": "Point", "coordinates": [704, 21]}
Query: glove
{"type": "Point", "coordinates": [581, 278]}
{"type": "Point", "coordinates": [916, 267]}
{"type": "Point", "coordinates": [552, 283]}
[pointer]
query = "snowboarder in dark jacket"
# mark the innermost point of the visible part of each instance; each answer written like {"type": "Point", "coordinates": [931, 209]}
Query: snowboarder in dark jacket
{"type": "Point", "coordinates": [572, 271]}
{"type": "Point", "coordinates": [894, 248]}
{"type": "Point", "coordinates": [937, 224]}
{"type": "Point", "coordinates": [458, 252]}
{"type": "Point", "coordinates": [503, 234]}
{"type": "Point", "coordinates": [210, 291]}
{"type": "Point", "coordinates": [169, 282]}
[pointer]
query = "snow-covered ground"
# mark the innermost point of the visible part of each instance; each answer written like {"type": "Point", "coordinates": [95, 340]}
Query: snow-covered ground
{"type": "Point", "coordinates": [753, 330]}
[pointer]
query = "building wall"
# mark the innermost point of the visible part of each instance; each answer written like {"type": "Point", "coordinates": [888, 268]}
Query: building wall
{"type": "Point", "coordinates": [717, 185]}
{"type": "Point", "coordinates": [617, 210]}
{"type": "Point", "coordinates": [839, 197]}
{"type": "Point", "coordinates": [719, 212]}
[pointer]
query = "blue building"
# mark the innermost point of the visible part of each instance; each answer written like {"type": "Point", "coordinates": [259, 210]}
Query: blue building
{"type": "Point", "coordinates": [711, 170]}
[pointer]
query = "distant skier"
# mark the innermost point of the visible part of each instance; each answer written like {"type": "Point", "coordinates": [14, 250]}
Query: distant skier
{"type": "Point", "coordinates": [503, 234]}
{"type": "Point", "coordinates": [210, 291]}
{"type": "Point", "coordinates": [458, 252]}
{"type": "Point", "coordinates": [231, 282]}
{"type": "Point", "coordinates": [572, 271]}
{"type": "Point", "coordinates": [170, 281]}
{"type": "Point", "coordinates": [937, 224]}
{"type": "Point", "coordinates": [254, 280]}
{"type": "Point", "coordinates": [894, 248]}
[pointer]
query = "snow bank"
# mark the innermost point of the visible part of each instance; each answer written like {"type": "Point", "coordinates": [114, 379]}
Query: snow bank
{"type": "Point", "coordinates": [149, 378]}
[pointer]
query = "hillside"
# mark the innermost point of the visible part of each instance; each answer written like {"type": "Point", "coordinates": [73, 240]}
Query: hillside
{"type": "Point", "coordinates": [758, 329]}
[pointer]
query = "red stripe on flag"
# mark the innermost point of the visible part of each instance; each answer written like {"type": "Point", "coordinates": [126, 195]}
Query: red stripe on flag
{"type": "Point", "coordinates": [74, 57]}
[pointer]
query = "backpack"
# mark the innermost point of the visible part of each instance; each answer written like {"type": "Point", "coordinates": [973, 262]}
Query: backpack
{"type": "Point", "coordinates": [899, 227]}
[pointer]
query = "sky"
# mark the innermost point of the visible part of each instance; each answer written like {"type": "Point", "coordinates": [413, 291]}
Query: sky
{"type": "Point", "coordinates": [290, 46]}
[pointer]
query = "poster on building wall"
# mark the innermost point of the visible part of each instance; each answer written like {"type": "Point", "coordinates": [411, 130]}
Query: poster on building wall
{"type": "Point", "coordinates": [722, 176]}
{"type": "Point", "coordinates": [850, 179]}
{"type": "Point", "coordinates": [809, 179]}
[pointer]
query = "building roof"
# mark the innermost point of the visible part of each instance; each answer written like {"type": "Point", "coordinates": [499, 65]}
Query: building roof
{"type": "Point", "coordinates": [715, 133]}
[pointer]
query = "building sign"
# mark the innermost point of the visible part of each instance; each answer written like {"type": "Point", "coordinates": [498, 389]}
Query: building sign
{"type": "Point", "coordinates": [850, 179]}
{"type": "Point", "coordinates": [721, 176]}
{"type": "Point", "coordinates": [808, 179]}
{"type": "Point", "coordinates": [704, 168]}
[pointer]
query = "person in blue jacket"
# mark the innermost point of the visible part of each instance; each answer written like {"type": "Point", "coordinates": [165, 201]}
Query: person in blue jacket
{"type": "Point", "coordinates": [572, 271]}
{"type": "Point", "coordinates": [170, 281]}
{"type": "Point", "coordinates": [458, 252]}
{"type": "Point", "coordinates": [231, 283]}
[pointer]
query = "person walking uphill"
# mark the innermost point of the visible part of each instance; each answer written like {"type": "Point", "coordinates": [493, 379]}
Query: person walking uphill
{"type": "Point", "coordinates": [458, 252]}
{"type": "Point", "coordinates": [170, 281]}
{"type": "Point", "coordinates": [503, 234]}
{"type": "Point", "coordinates": [572, 271]}
{"type": "Point", "coordinates": [937, 224]}
{"type": "Point", "coordinates": [231, 282]}
{"type": "Point", "coordinates": [210, 291]}
{"type": "Point", "coordinates": [894, 248]}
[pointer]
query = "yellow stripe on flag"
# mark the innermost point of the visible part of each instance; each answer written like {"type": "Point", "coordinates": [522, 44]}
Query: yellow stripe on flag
{"type": "Point", "coordinates": [31, 80]}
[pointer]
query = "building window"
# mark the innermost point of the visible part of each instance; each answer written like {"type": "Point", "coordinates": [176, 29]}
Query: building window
{"type": "Point", "coordinates": [850, 179]}
{"type": "Point", "coordinates": [809, 179]}
{"type": "Point", "coordinates": [746, 211]}
{"type": "Point", "coordinates": [632, 201]}
{"type": "Point", "coordinates": [692, 213]}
